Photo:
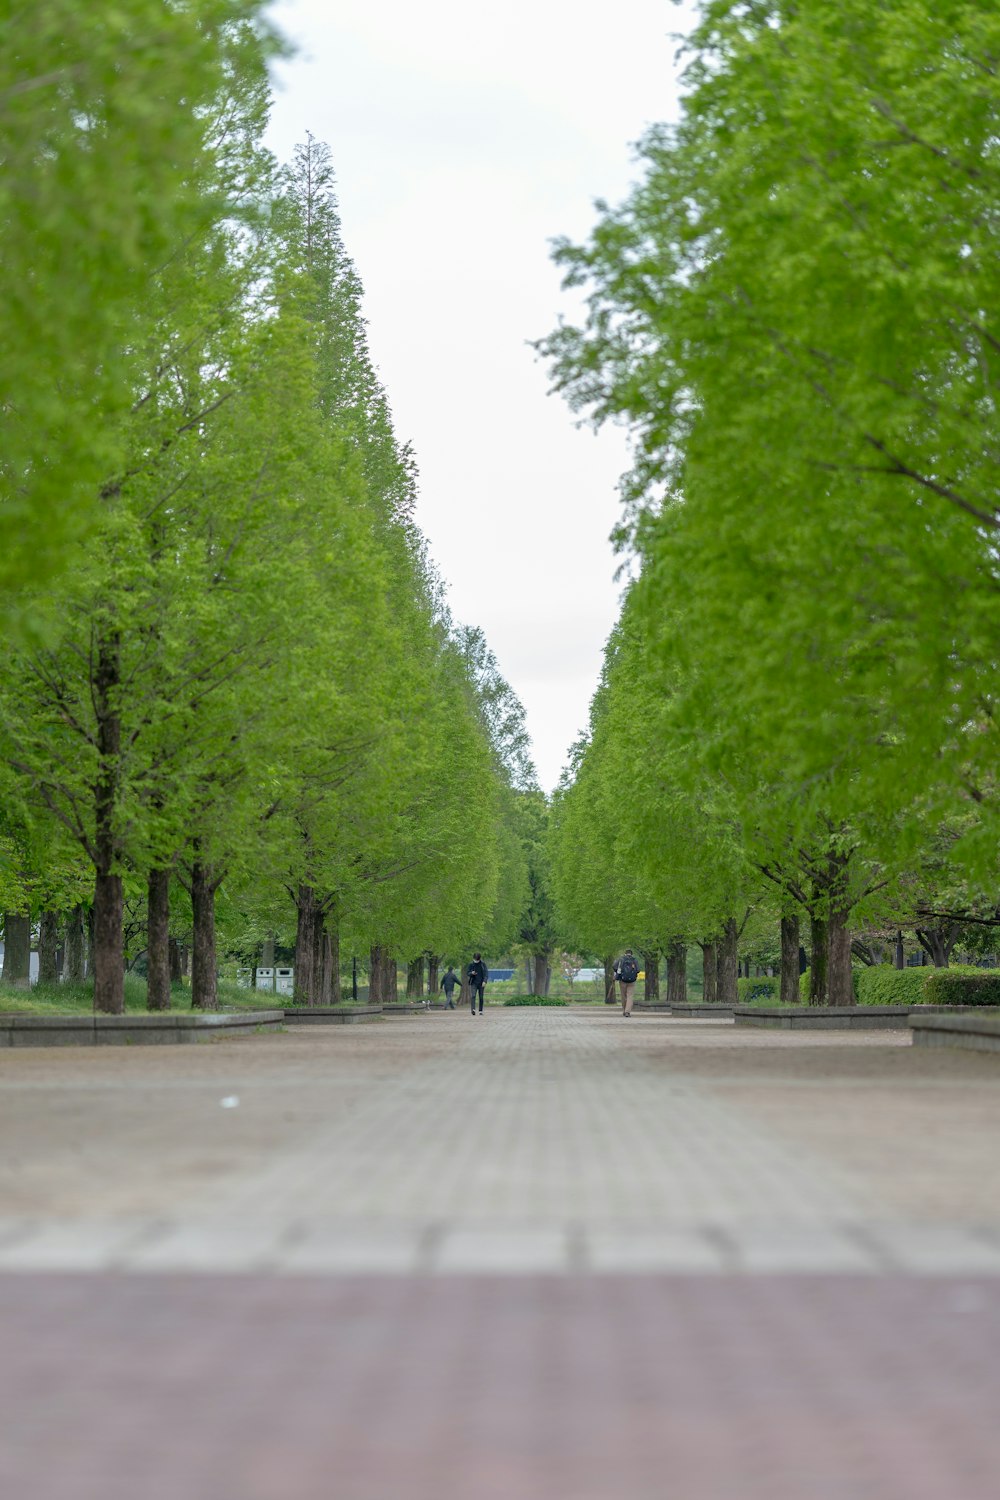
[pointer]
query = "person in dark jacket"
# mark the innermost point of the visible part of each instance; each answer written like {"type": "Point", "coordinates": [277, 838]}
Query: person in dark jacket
{"type": "Point", "coordinates": [448, 984]}
{"type": "Point", "coordinates": [478, 975]}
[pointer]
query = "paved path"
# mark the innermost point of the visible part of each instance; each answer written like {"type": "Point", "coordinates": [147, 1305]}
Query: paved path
{"type": "Point", "coordinates": [532, 1254]}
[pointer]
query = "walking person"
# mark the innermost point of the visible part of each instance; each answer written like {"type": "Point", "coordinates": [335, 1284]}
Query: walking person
{"type": "Point", "coordinates": [478, 975]}
{"type": "Point", "coordinates": [448, 984]}
{"type": "Point", "coordinates": [626, 971]}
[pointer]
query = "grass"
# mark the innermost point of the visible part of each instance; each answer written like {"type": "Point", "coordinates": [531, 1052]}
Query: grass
{"type": "Point", "coordinates": [78, 999]}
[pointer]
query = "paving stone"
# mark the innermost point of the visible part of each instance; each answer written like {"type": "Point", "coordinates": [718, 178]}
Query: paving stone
{"type": "Point", "coordinates": [655, 1250]}
{"type": "Point", "coordinates": [194, 1246]}
{"type": "Point", "coordinates": [417, 1388]}
{"type": "Point", "coordinates": [61, 1246]}
{"type": "Point", "coordinates": [480, 1251]}
{"type": "Point", "coordinates": [799, 1249]}
{"type": "Point", "coordinates": [946, 1249]}
{"type": "Point", "coordinates": [355, 1249]}
{"type": "Point", "coordinates": [548, 1255]}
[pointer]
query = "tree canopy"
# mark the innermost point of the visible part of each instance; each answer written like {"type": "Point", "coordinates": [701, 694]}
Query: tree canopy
{"type": "Point", "coordinates": [794, 314]}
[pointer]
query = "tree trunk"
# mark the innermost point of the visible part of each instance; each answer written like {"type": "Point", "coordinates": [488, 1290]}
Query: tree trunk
{"type": "Point", "coordinates": [305, 946]}
{"type": "Point", "coordinates": [319, 951]}
{"type": "Point", "coordinates": [790, 960]}
{"type": "Point", "coordinates": [382, 987]}
{"type": "Point", "coordinates": [326, 970]}
{"type": "Point", "coordinates": [158, 940]}
{"type": "Point", "coordinates": [527, 976]}
{"type": "Point", "coordinates": [16, 950]}
{"type": "Point", "coordinates": [938, 943]}
{"type": "Point", "coordinates": [728, 962]}
{"type": "Point", "coordinates": [174, 949]}
{"type": "Point", "coordinates": [651, 982]}
{"type": "Point", "coordinates": [433, 976]}
{"type": "Point", "coordinates": [610, 997]}
{"type": "Point", "coordinates": [204, 986]}
{"type": "Point", "coordinates": [109, 957]}
{"type": "Point", "coordinates": [333, 940]}
{"type": "Point", "coordinates": [75, 947]}
{"type": "Point", "coordinates": [49, 925]}
{"type": "Point", "coordinates": [375, 975]}
{"type": "Point", "coordinates": [709, 973]}
{"type": "Point", "coordinates": [415, 978]}
{"type": "Point", "coordinates": [840, 981]}
{"type": "Point", "coordinates": [818, 961]}
{"type": "Point", "coordinates": [899, 953]}
{"type": "Point", "coordinates": [677, 986]}
{"type": "Point", "coordinates": [391, 978]}
{"type": "Point", "coordinates": [540, 965]}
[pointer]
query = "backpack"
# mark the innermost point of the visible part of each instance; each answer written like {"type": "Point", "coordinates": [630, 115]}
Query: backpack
{"type": "Point", "coordinates": [628, 970]}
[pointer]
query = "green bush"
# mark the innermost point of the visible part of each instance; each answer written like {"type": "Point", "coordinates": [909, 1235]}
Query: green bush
{"type": "Point", "coordinates": [761, 988]}
{"type": "Point", "coordinates": [962, 986]}
{"type": "Point", "coordinates": [534, 1000]}
{"type": "Point", "coordinates": [884, 985]}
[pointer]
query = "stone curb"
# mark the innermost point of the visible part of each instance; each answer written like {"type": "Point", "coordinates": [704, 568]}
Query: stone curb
{"type": "Point", "coordinates": [332, 1015]}
{"type": "Point", "coordinates": [723, 1012]}
{"type": "Point", "coordinates": [969, 1030]}
{"type": "Point", "coordinates": [130, 1030]}
{"type": "Point", "coordinates": [841, 1017]}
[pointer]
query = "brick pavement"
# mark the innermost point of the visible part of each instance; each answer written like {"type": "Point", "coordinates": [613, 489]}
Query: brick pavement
{"type": "Point", "coordinates": [796, 1243]}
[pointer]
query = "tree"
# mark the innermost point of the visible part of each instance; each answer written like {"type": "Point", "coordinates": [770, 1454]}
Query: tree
{"type": "Point", "coordinates": [106, 118]}
{"type": "Point", "coordinates": [791, 310]}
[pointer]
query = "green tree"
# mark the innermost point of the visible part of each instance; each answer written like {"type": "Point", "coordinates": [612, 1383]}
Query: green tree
{"type": "Point", "coordinates": [109, 124]}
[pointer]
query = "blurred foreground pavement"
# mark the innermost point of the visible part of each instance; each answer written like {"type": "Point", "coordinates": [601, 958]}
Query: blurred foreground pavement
{"type": "Point", "coordinates": [532, 1254]}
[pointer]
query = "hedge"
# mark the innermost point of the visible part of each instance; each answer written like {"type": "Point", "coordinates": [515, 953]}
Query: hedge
{"type": "Point", "coordinates": [962, 986]}
{"type": "Point", "coordinates": [761, 988]}
{"type": "Point", "coordinates": [884, 985]}
{"type": "Point", "coordinates": [534, 1000]}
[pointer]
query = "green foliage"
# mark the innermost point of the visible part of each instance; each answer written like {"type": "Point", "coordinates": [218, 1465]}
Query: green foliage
{"type": "Point", "coordinates": [760, 988]}
{"type": "Point", "coordinates": [953, 987]}
{"type": "Point", "coordinates": [234, 680]}
{"type": "Point", "coordinates": [788, 311]}
{"type": "Point", "coordinates": [534, 1000]}
{"type": "Point", "coordinates": [111, 125]}
{"type": "Point", "coordinates": [882, 985]}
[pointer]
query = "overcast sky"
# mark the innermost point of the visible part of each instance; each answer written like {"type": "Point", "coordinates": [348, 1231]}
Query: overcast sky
{"type": "Point", "coordinates": [464, 138]}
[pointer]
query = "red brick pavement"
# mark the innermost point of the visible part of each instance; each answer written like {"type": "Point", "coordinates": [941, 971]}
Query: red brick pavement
{"type": "Point", "coordinates": [499, 1388]}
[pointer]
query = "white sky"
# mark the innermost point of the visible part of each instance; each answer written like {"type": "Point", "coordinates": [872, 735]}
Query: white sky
{"type": "Point", "coordinates": [464, 138]}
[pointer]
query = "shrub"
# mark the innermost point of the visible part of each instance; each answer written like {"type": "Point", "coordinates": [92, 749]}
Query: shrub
{"type": "Point", "coordinates": [761, 988]}
{"type": "Point", "coordinates": [884, 985]}
{"type": "Point", "coordinates": [534, 1000]}
{"type": "Point", "coordinates": [962, 986]}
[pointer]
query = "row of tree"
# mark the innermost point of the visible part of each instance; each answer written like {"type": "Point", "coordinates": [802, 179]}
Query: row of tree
{"type": "Point", "coordinates": [795, 313]}
{"type": "Point", "coordinates": [240, 684]}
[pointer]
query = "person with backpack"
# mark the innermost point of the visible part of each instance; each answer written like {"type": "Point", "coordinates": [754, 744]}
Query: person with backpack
{"type": "Point", "coordinates": [448, 984]}
{"type": "Point", "coordinates": [626, 971]}
{"type": "Point", "coordinates": [478, 975]}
